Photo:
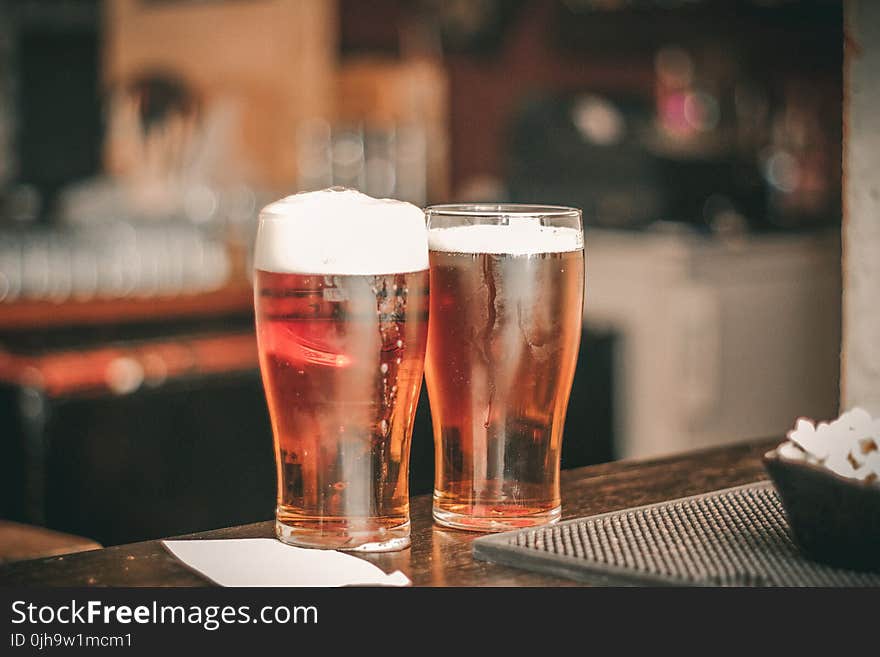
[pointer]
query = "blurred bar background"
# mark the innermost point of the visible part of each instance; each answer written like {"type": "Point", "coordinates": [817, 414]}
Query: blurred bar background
{"type": "Point", "coordinates": [139, 138]}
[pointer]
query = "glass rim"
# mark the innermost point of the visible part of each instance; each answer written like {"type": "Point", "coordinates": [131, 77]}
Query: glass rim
{"type": "Point", "coordinates": [524, 210]}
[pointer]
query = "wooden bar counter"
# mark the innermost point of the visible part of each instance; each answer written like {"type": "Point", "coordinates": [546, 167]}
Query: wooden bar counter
{"type": "Point", "coordinates": [438, 557]}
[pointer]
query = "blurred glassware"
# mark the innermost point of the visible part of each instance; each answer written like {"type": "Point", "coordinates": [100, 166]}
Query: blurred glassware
{"type": "Point", "coordinates": [167, 158]}
{"type": "Point", "coordinates": [379, 160]}
{"type": "Point", "coordinates": [692, 118]}
{"type": "Point", "coordinates": [608, 171]}
{"type": "Point", "coordinates": [801, 161]}
{"type": "Point", "coordinates": [118, 260]}
{"type": "Point", "coordinates": [313, 157]}
{"type": "Point", "coordinates": [347, 157]}
{"type": "Point", "coordinates": [20, 204]}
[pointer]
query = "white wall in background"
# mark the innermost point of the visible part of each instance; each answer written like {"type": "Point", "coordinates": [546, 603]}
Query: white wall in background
{"type": "Point", "coordinates": [860, 366]}
{"type": "Point", "coordinates": [718, 342]}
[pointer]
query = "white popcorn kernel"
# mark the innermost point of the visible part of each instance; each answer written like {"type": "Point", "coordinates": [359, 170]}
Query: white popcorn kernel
{"type": "Point", "coordinates": [856, 419]}
{"type": "Point", "coordinates": [872, 463]}
{"type": "Point", "coordinates": [803, 424]}
{"type": "Point", "coordinates": [863, 473]}
{"type": "Point", "coordinates": [848, 446]}
{"type": "Point", "coordinates": [867, 445]}
{"type": "Point", "coordinates": [838, 463]}
{"type": "Point", "coordinates": [788, 450]}
{"type": "Point", "coordinates": [811, 439]}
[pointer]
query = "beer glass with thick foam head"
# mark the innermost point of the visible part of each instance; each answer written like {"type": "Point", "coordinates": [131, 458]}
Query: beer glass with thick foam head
{"type": "Point", "coordinates": [341, 296]}
{"type": "Point", "coordinates": [507, 285]}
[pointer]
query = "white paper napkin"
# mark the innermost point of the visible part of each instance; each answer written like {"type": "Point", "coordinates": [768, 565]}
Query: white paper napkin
{"type": "Point", "coordinates": [267, 562]}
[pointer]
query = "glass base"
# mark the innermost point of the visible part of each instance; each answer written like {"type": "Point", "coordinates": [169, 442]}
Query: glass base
{"type": "Point", "coordinates": [380, 540]}
{"type": "Point", "coordinates": [495, 523]}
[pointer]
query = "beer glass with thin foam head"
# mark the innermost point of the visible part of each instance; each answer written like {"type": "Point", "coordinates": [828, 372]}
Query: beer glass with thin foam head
{"type": "Point", "coordinates": [507, 284]}
{"type": "Point", "coordinates": [341, 297]}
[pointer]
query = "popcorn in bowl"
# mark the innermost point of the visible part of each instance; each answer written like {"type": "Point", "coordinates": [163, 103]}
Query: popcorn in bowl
{"type": "Point", "coordinates": [827, 476]}
{"type": "Point", "coordinates": [848, 446]}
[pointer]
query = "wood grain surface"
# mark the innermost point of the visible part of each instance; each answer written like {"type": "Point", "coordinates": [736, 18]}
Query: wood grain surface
{"type": "Point", "coordinates": [438, 557]}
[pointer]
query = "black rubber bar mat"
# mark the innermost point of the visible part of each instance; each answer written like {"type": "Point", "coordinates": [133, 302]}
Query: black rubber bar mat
{"type": "Point", "coordinates": [732, 537]}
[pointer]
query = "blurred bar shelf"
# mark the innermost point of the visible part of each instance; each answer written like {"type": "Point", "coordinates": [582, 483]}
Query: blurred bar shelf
{"type": "Point", "coordinates": [108, 421]}
{"type": "Point", "coordinates": [230, 299]}
{"type": "Point", "coordinates": [122, 368]}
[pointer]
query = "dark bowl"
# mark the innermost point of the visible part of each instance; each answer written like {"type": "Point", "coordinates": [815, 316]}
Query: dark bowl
{"type": "Point", "coordinates": [833, 519]}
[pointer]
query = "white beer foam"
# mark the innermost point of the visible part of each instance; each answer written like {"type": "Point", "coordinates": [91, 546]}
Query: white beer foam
{"type": "Point", "coordinates": [525, 237]}
{"type": "Point", "coordinates": [341, 231]}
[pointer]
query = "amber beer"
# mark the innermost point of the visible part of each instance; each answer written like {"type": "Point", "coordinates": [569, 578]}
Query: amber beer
{"type": "Point", "coordinates": [505, 327]}
{"type": "Point", "coordinates": [341, 356]}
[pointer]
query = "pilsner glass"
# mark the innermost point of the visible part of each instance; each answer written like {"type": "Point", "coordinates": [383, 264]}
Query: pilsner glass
{"type": "Point", "coordinates": [341, 296]}
{"type": "Point", "coordinates": [505, 316]}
